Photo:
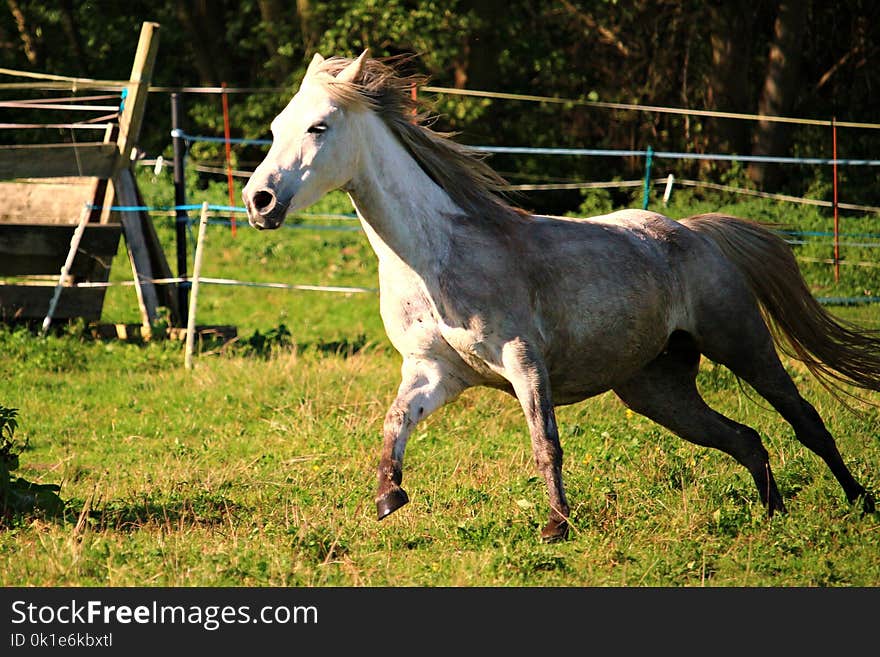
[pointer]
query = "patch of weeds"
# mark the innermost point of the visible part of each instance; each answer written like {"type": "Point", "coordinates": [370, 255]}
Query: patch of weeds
{"type": "Point", "coordinates": [152, 356]}
{"type": "Point", "coordinates": [574, 430]}
{"type": "Point", "coordinates": [679, 471]}
{"type": "Point", "coordinates": [473, 496]}
{"type": "Point", "coordinates": [740, 493]}
{"type": "Point", "coordinates": [161, 323]}
{"type": "Point", "coordinates": [794, 477]}
{"type": "Point", "coordinates": [536, 562]}
{"type": "Point", "coordinates": [24, 350]}
{"type": "Point", "coordinates": [417, 542]}
{"type": "Point", "coordinates": [831, 575]}
{"type": "Point", "coordinates": [19, 496]}
{"type": "Point", "coordinates": [482, 534]}
{"type": "Point", "coordinates": [699, 570]}
{"type": "Point", "coordinates": [793, 546]}
{"type": "Point", "coordinates": [621, 557]}
{"type": "Point", "coordinates": [717, 378]}
{"type": "Point", "coordinates": [202, 508]}
{"type": "Point", "coordinates": [730, 520]}
{"type": "Point", "coordinates": [302, 494]}
{"type": "Point", "coordinates": [527, 564]}
{"type": "Point", "coordinates": [319, 545]}
{"type": "Point", "coordinates": [692, 561]}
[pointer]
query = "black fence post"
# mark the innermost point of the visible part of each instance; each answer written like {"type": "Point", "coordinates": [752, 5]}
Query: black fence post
{"type": "Point", "coordinates": [181, 216]}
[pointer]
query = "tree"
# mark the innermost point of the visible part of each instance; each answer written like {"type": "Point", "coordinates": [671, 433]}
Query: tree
{"type": "Point", "coordinates": [28, 39]}
{"type": "Point", "coordinates": [780, 87]}
{"type": "Point", "coordinates": [74, 41]}
{"type": "Point", "coordinates": [682, 53]}
{"type": "Point", "coordinates": [730, 24]}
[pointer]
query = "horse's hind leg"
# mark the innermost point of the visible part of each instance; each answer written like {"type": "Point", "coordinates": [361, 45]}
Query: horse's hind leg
{"type": "Point", "coordinates": [762, 369]}
{"type": "Point", "coordinates": [666, 392]}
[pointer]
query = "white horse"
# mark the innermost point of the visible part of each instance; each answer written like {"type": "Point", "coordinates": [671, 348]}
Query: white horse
{"type": "Point", "coordinates": [552, 310]}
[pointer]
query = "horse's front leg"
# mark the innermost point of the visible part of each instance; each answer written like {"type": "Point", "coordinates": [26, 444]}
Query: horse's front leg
{"type": "Point", "coordinates": [423, 389]}
{"type": "Point", "coordinates": [531, 385]}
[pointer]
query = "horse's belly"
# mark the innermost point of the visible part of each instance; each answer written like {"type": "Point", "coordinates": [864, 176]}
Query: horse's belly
{"type": "Point", "coordinates": [582, 380]}
{"type": "Point", "coordinates": [588, 360]}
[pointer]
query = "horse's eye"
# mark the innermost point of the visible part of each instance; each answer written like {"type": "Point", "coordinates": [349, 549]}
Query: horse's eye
{"type": "Point", "coordinates": [318, 128]}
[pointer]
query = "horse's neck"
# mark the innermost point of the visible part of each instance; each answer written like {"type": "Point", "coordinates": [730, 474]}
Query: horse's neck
{"type": "Point", "coordinates": [403, 212]}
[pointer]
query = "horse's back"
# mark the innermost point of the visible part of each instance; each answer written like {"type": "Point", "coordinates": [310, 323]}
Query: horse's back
{"type": "Point", "coordinates": [630, 259]}
{"type": "Point", "coordinates": [611, 290]}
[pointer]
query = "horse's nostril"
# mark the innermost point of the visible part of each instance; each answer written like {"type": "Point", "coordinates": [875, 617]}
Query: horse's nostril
{"type": "Point", "coordinates": [263, 199]}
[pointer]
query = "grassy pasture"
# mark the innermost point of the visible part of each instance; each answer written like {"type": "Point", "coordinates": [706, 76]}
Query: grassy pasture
{"type": "Point", "coordinates": [258, 467]}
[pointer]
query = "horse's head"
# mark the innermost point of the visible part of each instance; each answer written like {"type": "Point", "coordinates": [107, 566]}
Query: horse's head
{"type": "Point", "coordinates": [313, 147]}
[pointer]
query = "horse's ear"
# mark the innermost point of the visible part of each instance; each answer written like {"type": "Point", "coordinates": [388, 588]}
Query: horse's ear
{"type": "Point", "coordinates": [317, 60]}
{"type": "Point", "coordinates": [351, 72]}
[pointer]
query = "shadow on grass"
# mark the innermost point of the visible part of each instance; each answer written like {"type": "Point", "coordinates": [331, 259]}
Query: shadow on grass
{"type": "Point", "coordinates": [22, 501]}
{"type": "Point", "coordinates": [344, 347]}
{"type": "Point", "coordinates": [177, 512]}
{"type": "Point", "coordinates": [18, 496]}
{"type": "Point", "coordinates": [279, 340]}
{"type": "Point", "coordinates": [128, 516]}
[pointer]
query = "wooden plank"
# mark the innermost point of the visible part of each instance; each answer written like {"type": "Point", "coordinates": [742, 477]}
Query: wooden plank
{"type": "Point", "coordinates": [23, 302]}
{"type": "Point", "coordinates": [132, 332]}
{"type": "Point", "coordinates": [102, 190]}
{"type": "Point", "coordinates": [105, 196]}
{"type": "Point", "coordinates": [99, 190]}
{"type": "Point", "coordinates": [45, 200]}
{"type": "Point", "coordinates": [137, 90]}
{"type": "Point", "coordinates": [33, 250]}
{"type": "Point", "coordinates": [58, 160]}
{"type": "Point", "coordinates": [167, 293]}
{"type": "Point", "coordinates": [138, 253]}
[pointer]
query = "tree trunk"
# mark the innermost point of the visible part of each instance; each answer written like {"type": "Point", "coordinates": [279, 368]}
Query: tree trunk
{"type": "Point", "coordinates": [28, 41]}
{"type": "Point", "coordinates": [280, 28]}
{"type": "Point", "coordinates": [204, 27]}
{"type": "Point", "coordinates": [477, 68]}
{"type": "Point", "coordinates": [728, 81]}
{"type": "Point", "coordinates": [306, 26]}
{"type": "Point", "coordinates": [270, 16]}
{"type": "Point", "coordinates": [71, 31]}
{"type": "Point", "coordinates": [781, 85]}
{"type": "Point", "coordinates": [201, 57]}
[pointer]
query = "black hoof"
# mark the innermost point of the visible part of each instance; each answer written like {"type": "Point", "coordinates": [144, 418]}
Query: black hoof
{"type": "Point", "coordinates": [555, 530]}
{"type": "Point", "coordinates": [389, 502]}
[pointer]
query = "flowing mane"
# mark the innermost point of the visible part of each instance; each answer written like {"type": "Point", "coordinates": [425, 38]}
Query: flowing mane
{"type": "Point", "coordinates": [458, 169]}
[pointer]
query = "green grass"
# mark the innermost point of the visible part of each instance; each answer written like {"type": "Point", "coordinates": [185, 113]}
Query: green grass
{"type": "Point", "coordinates": [257, 468]}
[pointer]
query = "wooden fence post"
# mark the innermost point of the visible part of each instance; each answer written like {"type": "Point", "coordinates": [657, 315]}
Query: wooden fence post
{"type": "Point", "coordinates": [194, 290]}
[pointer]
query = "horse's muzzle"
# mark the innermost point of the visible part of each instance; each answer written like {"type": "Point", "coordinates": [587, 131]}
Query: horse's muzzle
{"type": "Point", "coordinates": [264, 209]}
